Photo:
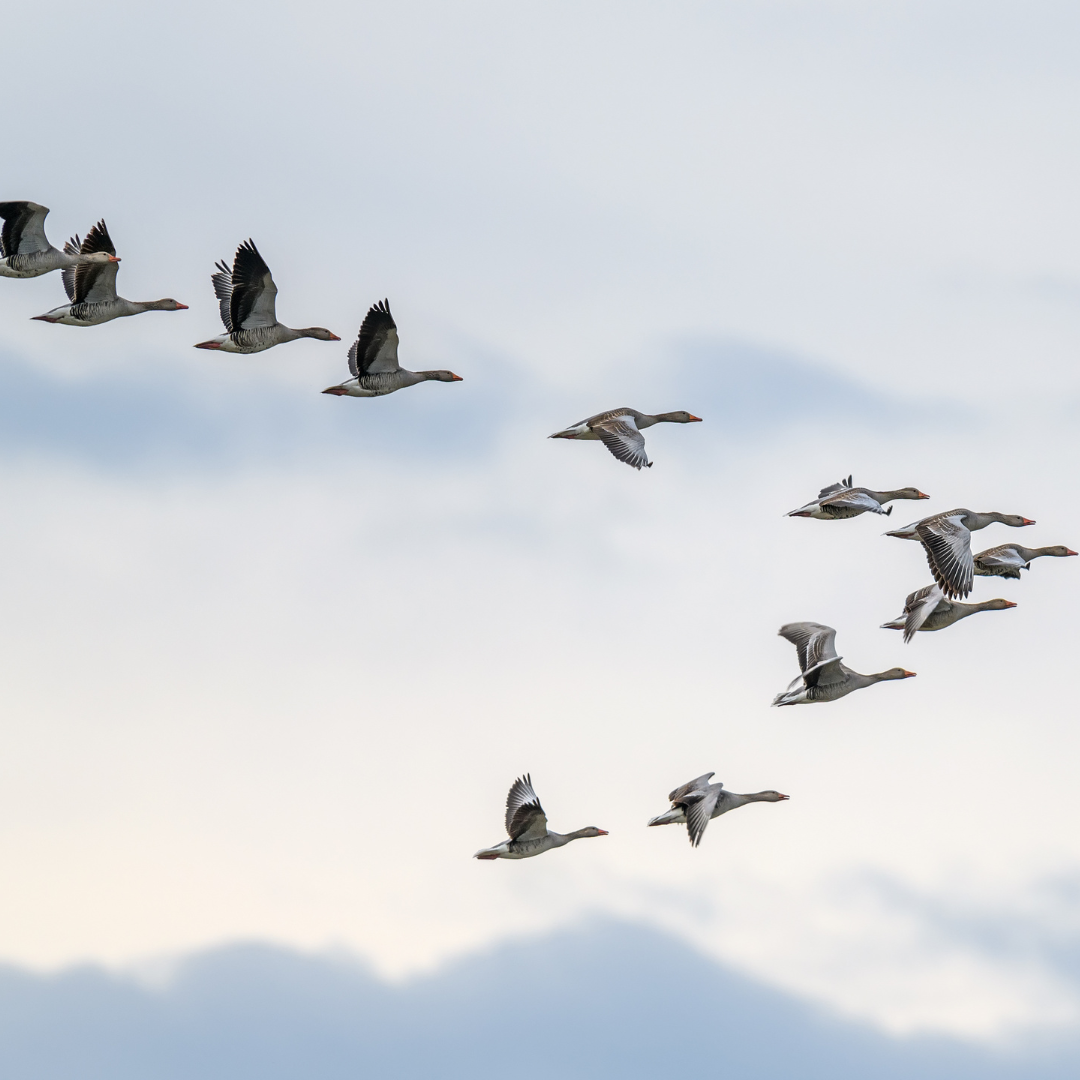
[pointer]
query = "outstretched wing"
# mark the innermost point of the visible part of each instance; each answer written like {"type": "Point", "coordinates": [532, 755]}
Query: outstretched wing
{"type": "Point", "coordinates": [832, 489]}
{"type": "Point", "coordinates": [252, 304]}
{"type": "Point", "coordinates": [919, 606]}
{"type": "Point", "coordinates": [814, 642]}
{"type": "Point", "coordinates": [525, 817]}
{"type": "Point", "coordinates": [67, 275]}
{"type": "Point", "coordinates": [699, 784]}
{"type": "Point", "coordinates": [95, 283]}
{"type": "Point", "coordinates": [24, 228]}
{"type": "Point", "coordinates": [698, 814]}
{"type": "Point", "coordinates": [624, 441]}
{"type": "Point", "coordinates": [947, 543]}
{"type": "Point", "coordinates": [222, 282]}
{"type": "Point", "coordinates": [375, 350]}
{"type": "Point", "coordinates": [997, 559]}
{"type": "Point", "coordinates": [856, 500]}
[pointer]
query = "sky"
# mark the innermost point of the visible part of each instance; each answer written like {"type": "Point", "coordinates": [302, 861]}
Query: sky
{"type": "Point", "coordinates": [270, 660]}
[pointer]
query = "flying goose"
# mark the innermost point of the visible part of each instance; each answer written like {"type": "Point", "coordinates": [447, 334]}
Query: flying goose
{"type": "Point", "coordinates": [91, 285]}
{"type": "Point", "coordinates": [928, 609]}
{"type": "Point", "coordinates": [25, 251]}
{"type": "Point", "coordinates": [946, 539]}
{"type": "Point", "coordinates": [620, 432]}
{"type": "Point", "coordinates": [1007, 560]}
{"type": "Point", "coordinates": [841, 500]}
{"type": "Point", "coordinates": [526, 823]}
{"type": "Point", "coordinates": [246, 300]}
{"type": "Point", "coordinates": [373, 360]}
{"type": "Point", "coordinates": [698, 802]}
{"type": "Point", "coordinates": [823, 677]}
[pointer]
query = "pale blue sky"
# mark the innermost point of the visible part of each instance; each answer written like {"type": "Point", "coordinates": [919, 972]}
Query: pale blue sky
{"type": "Point", "coordinates": [250, 631]}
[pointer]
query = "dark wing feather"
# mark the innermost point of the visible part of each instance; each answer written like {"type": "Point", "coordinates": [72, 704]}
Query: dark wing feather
{"type": "Point", "coordinates": [698, 814]}
{"type": "Point", "coordinates": [95, 282]}
{"type": "Point", "coordinates": [694, 785]}
{"type": "Point", "coordinates": [253, 290]}
{"type": "Point", "coordinates": [222, 282]}
{"type": "Point", "coordinates": [24, 228]}
{"type": "Point", "coordinates": [832, 489]}
{"type": "Point", "coordinates": [624, 441]}
{"type": "Point", "coordinates": [525, 817]}
{"type": "Point", "coordinates": [814, 642]}
{"type": "Point", "coordinates": [67, 275]}
{"type": "Point", "coordinates": [375, 349]}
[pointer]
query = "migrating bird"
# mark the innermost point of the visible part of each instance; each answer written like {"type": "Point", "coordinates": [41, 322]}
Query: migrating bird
{"type": "Point", "coordinates": [823, 677]}
{"type": "Point", "coordinates": [90, 283]}
{"type": "Point", "coordinates": [841, 500]}
{"type": "Point", "coordinates": [526, 823]}
{"type": "Point", "coordinates": [946, 539]}
{"type": "Point", "coordinates": [1007, 560]}
{"type": "Point", "coordinates": [246, 299]}
{"type": "Point", "coordinates": [928, 609]}
{"type": "Point", "coordinates": [25, 251]}
{"type": "Point", "coordinates": [373, 360]}
{"type": "Point", "coordinates": [698, 802]}
{"type": "Point", "coordinates": [620, 431]}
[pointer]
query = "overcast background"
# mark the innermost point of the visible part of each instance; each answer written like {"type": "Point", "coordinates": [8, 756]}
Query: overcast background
{"type": "Point", "coordinates": [270, 660]}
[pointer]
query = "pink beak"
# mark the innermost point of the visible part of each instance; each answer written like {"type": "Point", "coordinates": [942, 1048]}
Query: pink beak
{"type": "Point", "coordinates": [1009, 603]}
{"type": "Point", "coordinates": [1027, 521]}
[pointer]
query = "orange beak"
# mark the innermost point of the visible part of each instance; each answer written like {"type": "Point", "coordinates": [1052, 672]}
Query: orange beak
{"type": "Point", "coordinates": [1027, 521]}
{"type": "Point", "coordinates": [114, 258]}
{"type": "Point", "coordinates": [602, 832]}
{"type": "Point", "coordinates": [694, 418]}
{"type": "Point", "coordinates": [923, 495]}
{"type": "Point", "coordinates": [1009, 603]}
{"type": "Point", "coordinates": [909, 674]}
{"type": "Point", "coordinates": [181, 307]}
{"type": "Point", "coordinates": [456, 378]}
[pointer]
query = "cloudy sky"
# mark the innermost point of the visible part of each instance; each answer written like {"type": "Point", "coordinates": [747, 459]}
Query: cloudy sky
{"type": "Point", "coordinates": [270, 660]}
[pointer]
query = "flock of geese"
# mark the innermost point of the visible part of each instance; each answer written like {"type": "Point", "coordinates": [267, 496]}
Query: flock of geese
{"type": "Point", "coordinates": [246, 296]}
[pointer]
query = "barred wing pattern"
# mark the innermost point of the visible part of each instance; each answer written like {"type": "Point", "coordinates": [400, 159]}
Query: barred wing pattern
{"type": "Point", "coordinates": [624, 441]}
{"type": "Point", "coordinates": [95, 283]}
{"type": "Point", "coordinates": [947, 543]}
{"type": "Point", "coordinates": [525, 817]}
{"type": "Point", "coordinates": [919, 606]}
{"type": "Point", "coordinates": [253, 300]}
{"type": "Point", "coordinates": [375, 351]}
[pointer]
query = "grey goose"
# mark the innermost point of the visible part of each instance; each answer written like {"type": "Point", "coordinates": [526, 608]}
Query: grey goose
{"type": "Point", "coordinates": [247, 301]}
{"type": "Point", "coordinates": [373, 360]}
{"type": "Point", "coordinates": [91, 285]}
{"type": "Point", "coordinates": [929, 609]}
{"type": "Point", "coordinates": [25, 251]}
{"type": "Point", "coordinates": [620, 431]}
{"type": "Point", "coordinates": [1007, 560]}
{"type": "Point", "coordinates": [946, 539]}
{"type": "Point", "coordinates": [823, 676]}
{"type": "Point", "coordinates": [695, 804]}
{"type": "Point", "coordinates": [526, 823]}
{"type": "Point", "coordinates": [841, 500]}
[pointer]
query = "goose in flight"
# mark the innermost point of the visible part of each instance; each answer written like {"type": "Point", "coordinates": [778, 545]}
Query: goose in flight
{"type": "Point", "coordinates": [526, 823]}
{"type": "Point", "coordinates": [698, 802]}
{"type": "Point", "coordinates": [91, 285]}
{"type": "Point", "coordinates": [928, 609]}
{"type": "Point", "coordinates": [25, 251]}
{"type": "Point", "coordinates": [841, 500]}
{"type": "Point", "coordinates": [946, 539]}
{"type": "Point", "coordinates": [246, 300]}
{"type": "Point", "coordinates": [1007, 560]}
{"type": "Point", "coordinates": [620, 431]}
{"type": "Point", "coordinates": [373, 360]}
{"type": "Point", "coordinates": [823, 677]}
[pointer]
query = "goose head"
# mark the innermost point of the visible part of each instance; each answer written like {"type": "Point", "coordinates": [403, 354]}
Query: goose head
{"type": "Point", "coordinates": [590, 830]}
{"type": "Point", "coordinates": [441, 376]}
{"type": "Point", "coordinates": [320, 333]}
{"type": "Point", "coordinates": [1059, 551]}
{"type": "Point", "coordinates": [98, 257]}
{"type": "Point", "coordinates": [679, 417]}
{"type": "Point", "coordinates": [996, 605]}
{"type": "Point", "coordinates": [894, 673]}
{"type": "Point", "coordinates": [168, 304]}
{"type": "Point", "coordinates": [771, 796]}
{"type": "Point", "coordinates": [911, 493]}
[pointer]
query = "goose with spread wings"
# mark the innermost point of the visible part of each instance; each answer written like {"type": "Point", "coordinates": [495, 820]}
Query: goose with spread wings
{"type": "Point", "coordinates": [620, 431]}
{"type": "Point", "coordinates": [928, 608]}
{"type": "Point", "coordinates": [25, 251]}
{"type": "Point", "coordinates": [526, 823]}
{"type": "Point", "coordinates": [373, 360]}
{"type": "Point", "coordinates": [823, 676]}
{"type": "Point", "coordinates": [247, 302]}
{"type": "Point", "coordinates": [946, 539]}
{"type": "Point", "coordinates": [695, 804]}
{"type": "Point", "coordinates": [841, 500]}
{"type": "Point", "coordinates": [91, 285]}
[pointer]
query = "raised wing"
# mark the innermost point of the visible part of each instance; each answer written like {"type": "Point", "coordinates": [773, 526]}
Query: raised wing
{"type": "Point", "coordinates": [375, 350]}
{"type": "Point", "coordinates": [814, 642]}
{"type": "Point", "coordinates": [832, 489]}
{"type": "Point", "coordinates": [698, 814]}
{"type": "Point", "coordinates": [525, 817]}
{"type": "Point", "coordinates": [24, 228]}
{"type": "Point", "coordinates": [624, 441]}
{"type": "Point", "coordinates": [252, 303]}
{"type": "Point", "coordinates": [699, 784]}
{"type": "Point", "coordinates": [919, 606]}
{"type": "Point", "coordinates": [95, 283]}
{"type": "Point", "coordinates": [947, 543]}
{"type": "Point", "coordinates": [222, 282]}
